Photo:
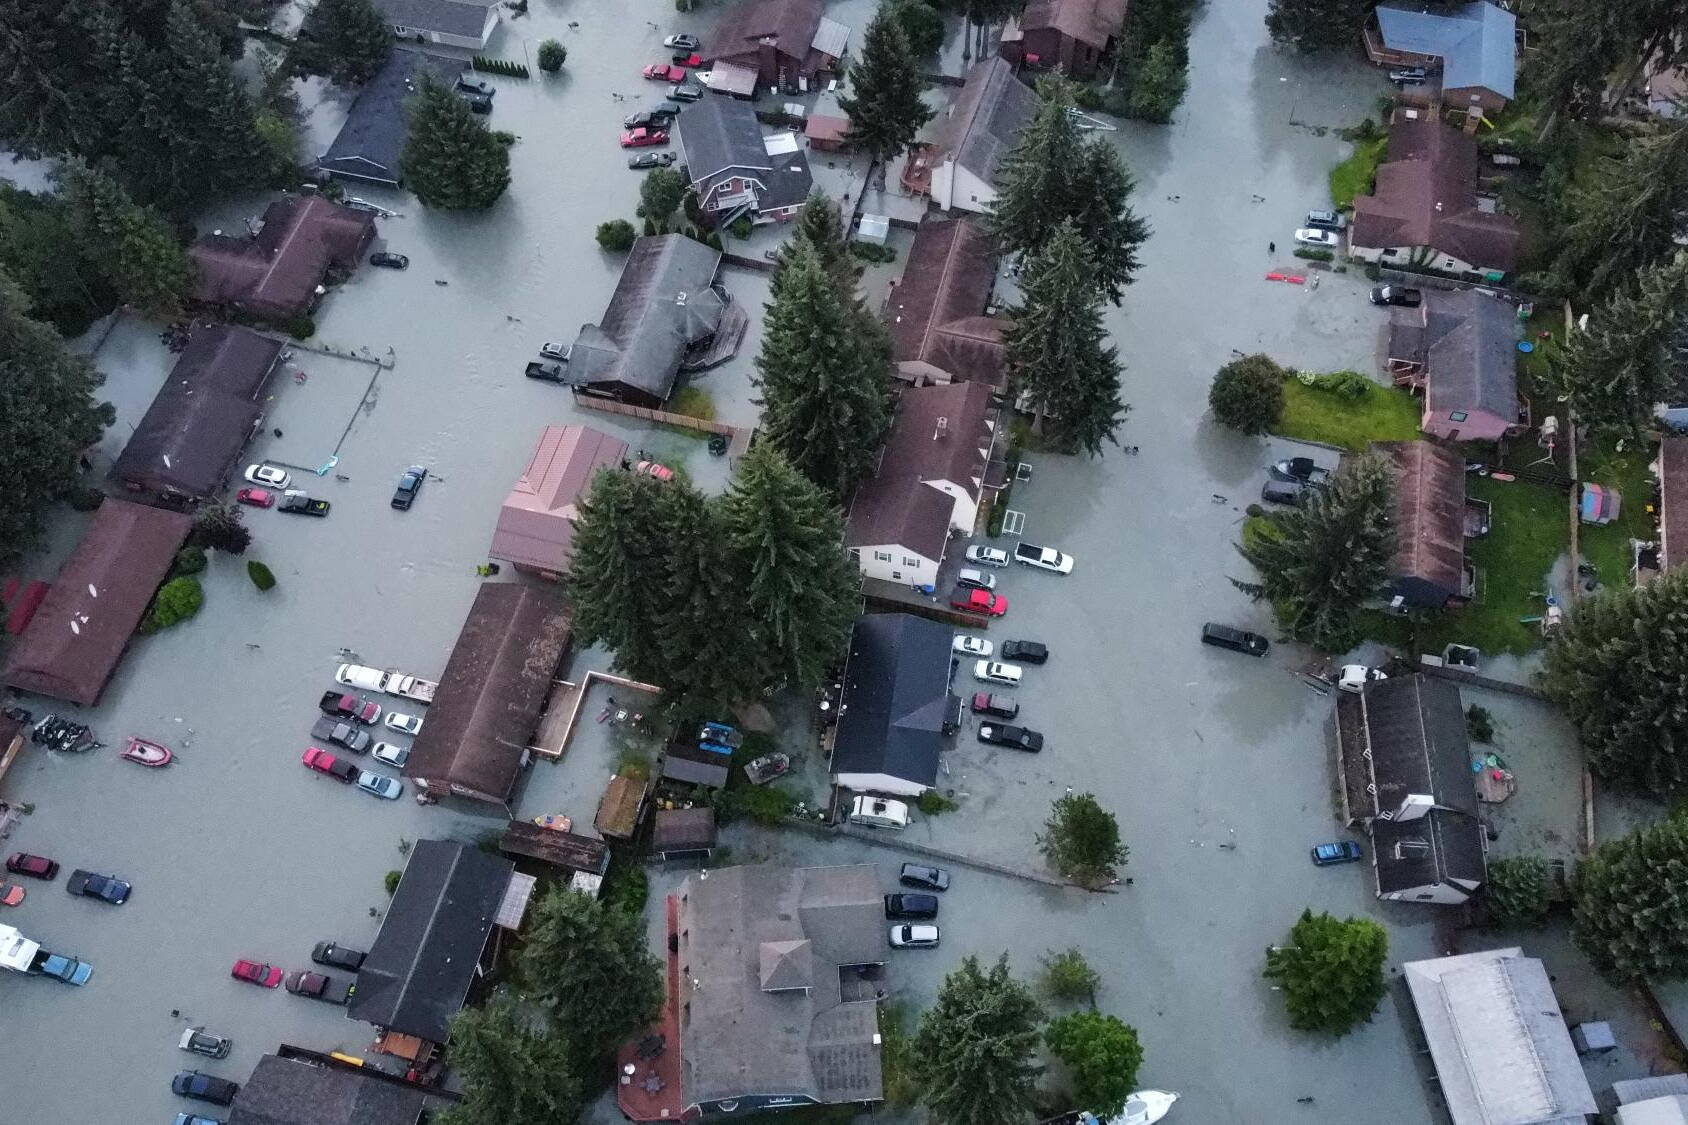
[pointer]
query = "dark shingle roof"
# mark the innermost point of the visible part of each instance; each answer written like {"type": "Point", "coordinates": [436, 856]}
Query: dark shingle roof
{"type": "Point", "coordinates": [371, 141]}
{"type": "Point", "coordinates": [448, 17]}
{"type": "Point", "coordinates": [986, 118]}
{"type": "Point", "coordinates": [721, 133]}
{"type": "Point", "coordinates": [1092, 22]}
{"type": "Point", "coordinates": [937, 308]}
{"type": "Point", "coordinates": [275, 274]}
{"type": "Point", "coordinates": [1673, 500]}
{"type": "Point", "coordinates": [284, 1091]}
{"type": "Point", "coordinates": [789, 25]}
{"type": "Point", "coordinates": [1429, 512]}
{"type": "Point", "coordinates": [1471, 354]}
{"type": "Point", "coordinates": [895, 698]}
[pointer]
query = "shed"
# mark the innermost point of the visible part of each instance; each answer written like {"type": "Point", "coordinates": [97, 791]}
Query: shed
{"type": "Point", "coordinates": [874, 229]}
{"type": "Point", "coordinates": [827, 133]}
{"type": "Point", "coordinates": [691, 763]}
{"type": "Point", "coordinates": [621, 807]}
{"type": "Point", "coordinates": [684, 833]}
{"type": "Point", "coordinates": [560, 849]}
{"type": "Point", "coordinates": [730, 78]}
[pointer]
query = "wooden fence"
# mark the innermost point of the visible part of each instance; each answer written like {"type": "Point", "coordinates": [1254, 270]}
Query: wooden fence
{"type": "Point", "coordinates": [666, 417]}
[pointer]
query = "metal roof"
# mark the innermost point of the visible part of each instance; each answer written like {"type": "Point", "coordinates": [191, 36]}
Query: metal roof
{"type": "Point", "coordinates": [831, 38]}
{"type": "Point", "coordinates": [1475, 42]}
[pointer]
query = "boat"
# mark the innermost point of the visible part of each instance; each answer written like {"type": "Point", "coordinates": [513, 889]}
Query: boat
{"type": "Point", "coordinates": [1145, 1107]}
{"type": "Point", "coordinates": [145, 753]}
{"type": "Point", "coordinates": [556, 822]}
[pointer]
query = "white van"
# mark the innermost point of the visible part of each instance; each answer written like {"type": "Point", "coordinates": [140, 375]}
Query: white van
{"type": "Point", "coordinates": [879, 812]}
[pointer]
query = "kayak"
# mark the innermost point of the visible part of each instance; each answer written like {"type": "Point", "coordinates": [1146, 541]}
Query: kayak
{"type": "Point", "coordinates": [145, 753]}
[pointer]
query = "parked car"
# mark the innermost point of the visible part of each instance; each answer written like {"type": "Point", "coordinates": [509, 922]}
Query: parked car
{"type": "Point", "coordinates": [11, 894]}
{"type": "Point", "coordinates": [1027, 652]}
{"type": "Point", "coordinates": [978, 601]}
{"type": "Point", "coordinates": [1020, 738]}
{"type": "Point", "coordinates": [194, 1119]}
{"type": "Point", "coordinates": [643, 138]}
{"type": "Point", "coordinates": [995, 672]}
{"type": "Point", "coordinates": [256, 972]}
{"type": "Point", "coordinates": [478, 103]}
{"type": "Point", "coordinates": [391, 753]}
{"type": "Point", "coordinates": [35, 866]}
{"type": "Point", "coordinates": [410, 483]}
{"type": "Point", "coordinates": [302, 503]}
{"type": "Point", "coordinates": [1238, 640]}
{"type": "Point", "coordinates": [324, 762]}
{"type": "Point", "coordinates": [1276, 491]}
{"type": "Point", "coordinates": [365, 711]}
{"type": "Point", "coordinates": [685, 92]}
{"type": "Point", "coordinates": [977, 579]}
{"type": "Point", "coordinates": [70, 970]}
{"type": "Point", "coordinates": [1001, 706]}
{"type": "Point", "coordinates": [1355, 677]}
{"type": "Point", "coordinates": [106, 888]}
{"type": "Point", "coordinates": [1326, 220]}
{"type": "Point", "coordinates": [329, 729]}
{"type": "Point", "coordinates": [686, 58]}
{"type": "Point", "coordinates": [403, 723]}
{"type": "Point", "coordinates": [337, 956]}
{"type": "Point", "coordinates": [909, 936]}
{"type": "Point", "coordinates": [467, 83]}
{"type": "Point", "coordinates": [202, 1042]}
{"type": "Point", "coordinates": [650, 160]}
{"type": "Point", "coordinates": [204, 1087]}
{"type": "Point", "coordinates": [319, 986]}
{"type": "Point", "coordinates": [987, 556]}
{"type": "Point", "coordinates": [1044, 558]}
{"type": "Point", "coordinates": [879, 812]}
{"type": "Point", "coordinates": [1408, 75]}
{"type": "Point", "coordinates": [1397, 295]}
{"type": "Point", "coordinates": [380, 785]}
{"type": "Point", "coordinates": [546, 372]}
{"type": "Point", "coordinates": [967, 645]}
{"type": "Point", "coordinates": [389, 261]}
{"type": "Point", "coordinates": [683, 42]}
{"type": "Point", "coordinates": [1312, 236]}
{"type": "Point", "coordinates": [1337, 851]}
{"type": "Point", "coordinates": [645, 118]}
{"type": "Point", "coordinates": [256, 497]}
{"type": "Point", "coordinates": [1300, 469]}
{"type": "Point", "coordinates": [663, 72]}
{"type": "Point", "coordinates": [267, 474]}
{"type": "Point", "coordinates": [920, 875]}
{"type": "Point", "coordinates": [911, 906]}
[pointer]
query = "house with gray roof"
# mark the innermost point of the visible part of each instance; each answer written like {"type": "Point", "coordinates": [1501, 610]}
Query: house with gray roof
{"type": "Point", "coordinates": [975, 133]}
{"type": "Point", "coordinates": [1473, 45]}
{"type": "Point", "coordinates": [371, 141]}
{"type": "Point", "coordinates": [450, 23]}
{"type": "Point", "coordinates": [895, 713]}
{"type": "Point", "coordinates": [735, 169]}
{"type": "Point", "coordinates": [1498, 1041]}
{"type": "Point", "coordinates": [781, 971]}
{"type": "Point", "coordinates": [1460, 349]}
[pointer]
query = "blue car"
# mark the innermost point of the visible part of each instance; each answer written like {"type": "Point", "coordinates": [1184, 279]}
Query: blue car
{"type": "Point", "coordinates": [67, 969]}
{"type": "Point", "coordinates": [1338, 851]}
{"type": "Point", "coordinates": [107, 888]}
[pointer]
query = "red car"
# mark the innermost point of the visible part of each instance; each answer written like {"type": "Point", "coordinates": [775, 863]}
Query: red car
{"type": "Point", "coordinates": [661, 72]}
{"type": "Point", "coordinates": [10, 894]}
{"type": "Point", "coordinates": [643, 138]}
{"type": "Point", "coordinates": [978, 601]}
{"type": "Point", "coordinates": [257, 497]}
{"type": "Point", "coordinates": [324, 762]}
{"type": "Point", "coordinates": [35, 866]}
{"type": "Point", "coordinates": [255, 972]}
{"type": "Point", "coordinates": [349, 706]}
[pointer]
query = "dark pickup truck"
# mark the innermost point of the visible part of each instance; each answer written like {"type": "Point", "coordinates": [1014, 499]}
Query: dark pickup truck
{"type": "Point", "coordinates": [341, 734]}
{"type": "Point", "coordinates": [547, 372]}
{"type": "Point", "coordinates": [302, 504]}
{"type": "Point", "coordinates": [320, 986]}
{"type": "Point", "coordinates": [1026, 652]}
{"type": "Point", "coordinates": [349, 706]}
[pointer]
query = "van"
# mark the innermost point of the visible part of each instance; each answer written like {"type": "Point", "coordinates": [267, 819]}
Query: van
{"type": "Point", "coordinates": [879, 812]}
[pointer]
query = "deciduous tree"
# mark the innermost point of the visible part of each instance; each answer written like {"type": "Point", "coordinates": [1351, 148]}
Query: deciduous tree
{"type": "Point", "coordinates": [348, 40]}
{"type": "Point", "coordinates": [552, 56]}
{"type": "Point", "coordinates": [1330, 972]}
{"type": "Point", "coordinates": [1102, 1054]}
{"type": "Point", "coordinates": [972, 1054]}
{"type": "Point", "coordinates": [1630, 904]}
{"type": "Point", "coordinates": [513, 1068]}
{"type": "Point", "coordinates": [587, 966]}
{"type": "Point", "coordinates": [1248, 394]}
{"type": "Point", "coordinates": [1158, 83]}
{"type": "Point", "coordinates": [1518, 891]}
{"type": "Point", "coordinates": [451, 159]}
{"type": "Point", "coordinates": [660, 194]}
{"type": "Point", "coordinates": [1068, 977]}
{"type": "Point", "coordinates": [221, 528]}
{"type": "Point", "coordinates": [1081, 839]}
{"type": "Point", "coordinates": [142, 259]}
{"type": "Point", "coordinates": [884, 107]}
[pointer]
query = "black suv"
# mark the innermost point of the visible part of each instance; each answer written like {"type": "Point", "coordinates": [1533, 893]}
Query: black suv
{"type": "Point", "coordinates": [1026, 652]}
{"type": "Point", "coordinates": [409, 485]}
{"type": "Point", "coordinates": [1001, 706]}
{"type": "Point", "coordinates": [911, 906]}
{"type": "Point", "coordinates": [1237, 640]}
{"type": "Point", "coordinates": [1020, 738]}
{"type": "Point", "coordinates": [337, 955]}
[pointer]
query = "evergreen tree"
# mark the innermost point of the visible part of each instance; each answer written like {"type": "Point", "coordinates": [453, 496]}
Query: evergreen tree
{"type": "Point", "coordinates": [60, 274]}
{"type": "Point", "coordinates": [1098, 203]}
{"type": "Point", "coordinates": [1630, 904]}
{"type": "Point", "coordinates": [1313, 25]}
{"type": "Point", "coordinates": [585, 963]}
{"type": "Point", "coordinates": [802, 591]}
{"type": "Point", "coordinates": [1321, 561]}
{"type": "Point", "coordinates": [622, 547]}
{"type": "Point", "coordinates": [701, 638]}
{"type": "Point", "coordinates": [1248, 394]}
{"type": "Point", "coordinates": [511, 1069]}
{"type": "Point", "coordinates": [347, 40]}
{"type": "Point", "coordinates": [451, 159]}
{"type": "Point", "coordinates": [552, 56]}
{"type": "Point", "coordinates": [1158, 83]}
{"type": "Point", "coordinates": [885, 108]}
{"type": "Point", "coordinates": [1057, 352]}
{"type": "Point", "coordinates": [1619, 668]}
{"type": "Point", "coordinates": [922, 26]}
{"type": "Point", "coordinates": [1616, 370]}
{"type": "Point", "coordinates": [1102, 1053]}
{"type": "Point", "coordinates": [1081, 839]}
{"type": "Point", "coordinates": [1330, 972]}
{"type": "Point", "coordinates": [972, 1054]}
{"type": "Point", "coordinates": [825, 403]}
{"type": "Point", "coordinates": [1628, 217]}
{"type": "Point", "coordinates": [48, 416]}
{"type": "Point", "coordinates": [141, 258]}
{"type": "Point", "coordinates": [819, 224]}
{"type": "Point", "coordinates": [1034, 178]}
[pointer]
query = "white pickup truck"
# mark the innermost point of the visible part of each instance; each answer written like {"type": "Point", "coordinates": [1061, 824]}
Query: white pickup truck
{"type": "Point", "coordinates": [1044, 558]}
{"type": "Point", "coordinates": [392, 683]}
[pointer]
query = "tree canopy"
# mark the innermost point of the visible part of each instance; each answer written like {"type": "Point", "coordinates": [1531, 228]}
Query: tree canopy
{"type": "Point", "coordinates": [585, 964]}
{"type": "Point", "coordinates": [884, 106]}
{"type": "Point", "coordinates": [1081, 839]}
{"type": "Point", "coordinates": [1518, 891]}
{"type": "Point", "coordinates": [1248, 394]}
{"type": "Point", "coordinates": [1627, 218]}
{"type": "Point", "coordinates": [347, 40]}
{"type": "Point", "coordinates": [1330, 972]}
{"type": "Point", "coordinates": [922, 24]}
{"type": "Point", "coordinates": [1313, 25]}
{"type": "Point", "coordinates": [972, 1054]}
{"type": "Point", "coordinates": [140, 256]}
{"type": "Point", "coordinates": [1102, 1054]}
{"type": "Point", "coordinates": [61, 275]}
{"type": "Point", "coordinates": [451, 159]}
{"type": "Point", "coordinates": [1582, 52]}
{"type": "Point", "coordinates": [1630, 904]}
{"type": "Point", "coordinates": [660, 194]}
{"type": "Point", "coordinates": [512, 1068]}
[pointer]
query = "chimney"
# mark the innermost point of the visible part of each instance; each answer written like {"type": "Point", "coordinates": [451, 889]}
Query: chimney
{"type": "Point", "coordinates": [942, 430]}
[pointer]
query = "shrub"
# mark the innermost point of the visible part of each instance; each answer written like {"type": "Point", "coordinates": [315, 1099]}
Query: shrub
{"type": "Point", "coordinates": [629, 888]}
{"type": "Point", "coordinates": [650, 228]}
{"type": "Point", "coordinates": [932, 803]}
{"type": "Point", "coordinates": [500, 66]}
{"type": "Point", "coordinates": [260, 575]}
{"type": "Point", "coordinates": [868, 252]}
{"type": "Point", "coordinates": [1312, 254]}
{"type": "Point", "coordinates": [189, 560]}
{"type": "Point", "coordinates": [552, 56]}
{"type": "Point", "coordinates": [693, 402]}
{"type": "Point", "coordinates": [741, 227]}
{"type": "Point", "coordinates": [177, 600]}
{"type": "Point", "coordinates": [219, 527]}
{"type": "Point", "coordinates": [84, 499]}
{"type": "Point", "coordinates": [1350, 385]}
{"type": "Point", "coordinates": [1248, 394]}
{"type": "Point", "coordinates": [391, 880]}
{"type": "Point", "coordinates": [616, 236]}
{"type": "Point", "coordinates": [1479, 724]}
{"type": "Point", "coordinates": [713, 241]}
{"type": "Point", "coordinates": [1519, 892]}
{"type": "Point", "coordinates": [1068, 977]}
{"type": "Point", "coordinates": [300, 327]}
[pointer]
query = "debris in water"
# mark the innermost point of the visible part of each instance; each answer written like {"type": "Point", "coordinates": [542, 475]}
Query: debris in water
{"type": "Point", "coordinates": [437, 281]}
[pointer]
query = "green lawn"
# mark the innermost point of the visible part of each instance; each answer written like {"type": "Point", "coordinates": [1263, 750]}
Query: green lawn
{"type": "Point", "coordinates": [1608, 547]}
{"type": "Point", "coordinates": [1384, 414]}
{"type": "Point", "coordinates": [1354, 176]}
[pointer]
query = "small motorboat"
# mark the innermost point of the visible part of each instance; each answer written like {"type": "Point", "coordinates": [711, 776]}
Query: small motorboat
{"type": "Point", "coordinates": [1145, 1107]}
{"type": "Point", "coordinates": [145, 753]}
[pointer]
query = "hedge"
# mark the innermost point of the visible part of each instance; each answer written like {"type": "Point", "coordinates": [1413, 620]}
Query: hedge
{"type": "Point", "coordinates": [260, 575]}
{"type": "Point", "coordinates": [500, 66]}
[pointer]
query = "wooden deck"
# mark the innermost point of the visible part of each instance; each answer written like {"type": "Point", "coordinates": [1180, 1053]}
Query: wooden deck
{"type": "Point", "coordinates": [562, 710]}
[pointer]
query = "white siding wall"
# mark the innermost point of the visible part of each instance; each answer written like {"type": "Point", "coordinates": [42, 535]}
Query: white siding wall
{"type": "Point", "coordinates": [895, 564]}
{"type": "Point", "coordinates": [879, 783]}
{"type": "Point", "coordinates": [1442, 894]}
{"type": "Point", "coordinates": [966, 509]}
{"type": "Point", "coordinates": [1405, 255]}
{"type": "Point", "coordinates": [954, 187]}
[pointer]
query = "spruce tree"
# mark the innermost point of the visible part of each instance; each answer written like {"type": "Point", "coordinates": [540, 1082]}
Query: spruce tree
{"type": "Point", "coordinates": [451, 159]}
{"type": "Point", "coordinates": [973, 1054]}
{"type": "Point", "coordinates": [511, 1069]}
{"type": "Point", "coordinates": [1630, 904]}
{"type": "Point", "coordinates": [622, 548]}
{"type": "Point", "coordinates": [1057, 353]}
{"type": "Point", "coordinates": [1098, 202]}
{"type": "Point", "coordinates": [1034, 179]}
{"type": "Point", "coordinates": [818, 222]}
{"type": "Point", "coordinates": [701, 635]}
{"type": "Point", "coordinates": [140, 256]}
{"type": "Point", "coordinates": [1629, 216]}
{"type": "Point", "coordinates": [347, 40]}
{"type": "Point", "coordinates": [1312, 25]}
{"type": "Point", "coordinates": [884, 107]}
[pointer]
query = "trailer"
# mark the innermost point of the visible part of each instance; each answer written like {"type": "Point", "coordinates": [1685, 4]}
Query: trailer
{"type": "Point", "coordinates": [388, 682]}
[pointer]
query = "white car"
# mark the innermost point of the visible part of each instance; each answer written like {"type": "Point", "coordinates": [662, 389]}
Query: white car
{"type": "Point", "coordinates": [268, 475]}
{"type": "Point", "coordinates": [550, 349]}
{"type": "Point", "coordinates": [987, 556]}
{"type": "Point", "coordinates": [907, 936]}
{"type": "Point", "coordinates": [380, 785]}
{"type": "Point", "coordinates": [1355, 677]}
{"type": "Point", "coordinates": [391, 753]}
{"type": "Point", "coordinates": [1308, 236]}
{"type": "Point", "coordinates": [967, 645]}
{"type": "Point", "coordinates": [995, 672]}
{"type": "Point", "coordinates": [406, 724]}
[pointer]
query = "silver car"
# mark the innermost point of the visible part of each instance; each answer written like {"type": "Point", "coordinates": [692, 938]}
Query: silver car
{"type": "Point", "coordinates": [908, 936]}
{"type": "Point", "coordinates": [380, 785]}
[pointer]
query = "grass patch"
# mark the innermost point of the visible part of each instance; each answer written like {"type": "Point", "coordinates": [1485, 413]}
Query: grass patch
{"type": "Point", "coordinates": [1354, 176]}
{"type": "Point", "coordinates": [896, 1053]}
{"type": "Point", "coordinates": [693, 402]}
{"type": "Point", "coordinates": [1380, 414]}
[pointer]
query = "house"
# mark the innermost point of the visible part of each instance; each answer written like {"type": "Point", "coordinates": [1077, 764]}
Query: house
{"type": "Point", "coordinates": [958, 169]}
{"type": "Point", "coordinates": [73, 643]}
{"type": "Point", "coordinates": [1662, 1100]}
{"type": "Point", "coordinates": [774, 38]}
{"type": "Point", "coordinates": [491, 694]}
{"type": "Point", "coordinates": [665, 305]}
{"type": "Point", "coordinates": [297, 1087]}
{"type": "Point", "coordinates": [1429, 570]}
{"type": "Point", "coordinates": [684, 833]}
{"type": "Point", "coordinates": [535, 529]}
{"type": "Point", "coordinates": [1404, 770]}
{"type": "Point", "coordinates": [1461, 350]}
{"type": "Point", "coordinates": [432, 941]}
{"type": "Point", "coordinates": [370, 143]}
{"type": "Point", "coordinates": [827, 133]}
{"type": "Point", "coordinates": [202, 417]}
{"type": "Point", "coordinates": [1424, 210]}
{"type": "Point", "coordinates": [1497, 1040]}
{"type": "Point", "coordinates": [735, 170]}
{"type": "Point", "coordinates": [895, 710]}
{"type": "Point", "coordinates": [776, 993]}
{"type": "Point", "coordinates": [1066, 35]}
{"type": "Point", "coordinates": [927, 485]}
{"type": "Point", "coordinates": [938, 310]}
{"type": "Point", "coordinates": [450, 23]}
{"type": "Point", "coordinates": [1473, 44]}
{"type": "Point", "coordinates": [277, 274]}
{"type": "Point", "coordinates": [1672, 471]}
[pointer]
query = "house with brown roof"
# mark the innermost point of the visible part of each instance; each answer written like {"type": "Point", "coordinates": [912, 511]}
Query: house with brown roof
{"type": "Point", "coordinates": [1429, 570]}
{"type": "Point", "coordinates": [1066, 35]}
{"type": "Point", "coordinates": [958, 169]}
{"type": "Point", "coordinates": [200, 420]}
{"type": "Point", "coordinates": [489, 700]}
{"type": "Point", "coordinates": [940, 330]}
{"type": "Point", "coordinates": [535, 529]}
{"type": "Point", "coordinates": [1425, 211]}
{"type": "Point", "coordinates": [1460, 350]}
{"type": "Point", "coordinates": [278, 272]}
{"type": "Point", "coordinates": [927, 484]}
{"type": "Point", "coordinates": [73, 643]}
{"type": "Point", "coordinates": [1672, 470]}
{"type": "Point", "coordinates": [297, 1087]}
{"type": "Point", "coordinates": [774, 38]}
